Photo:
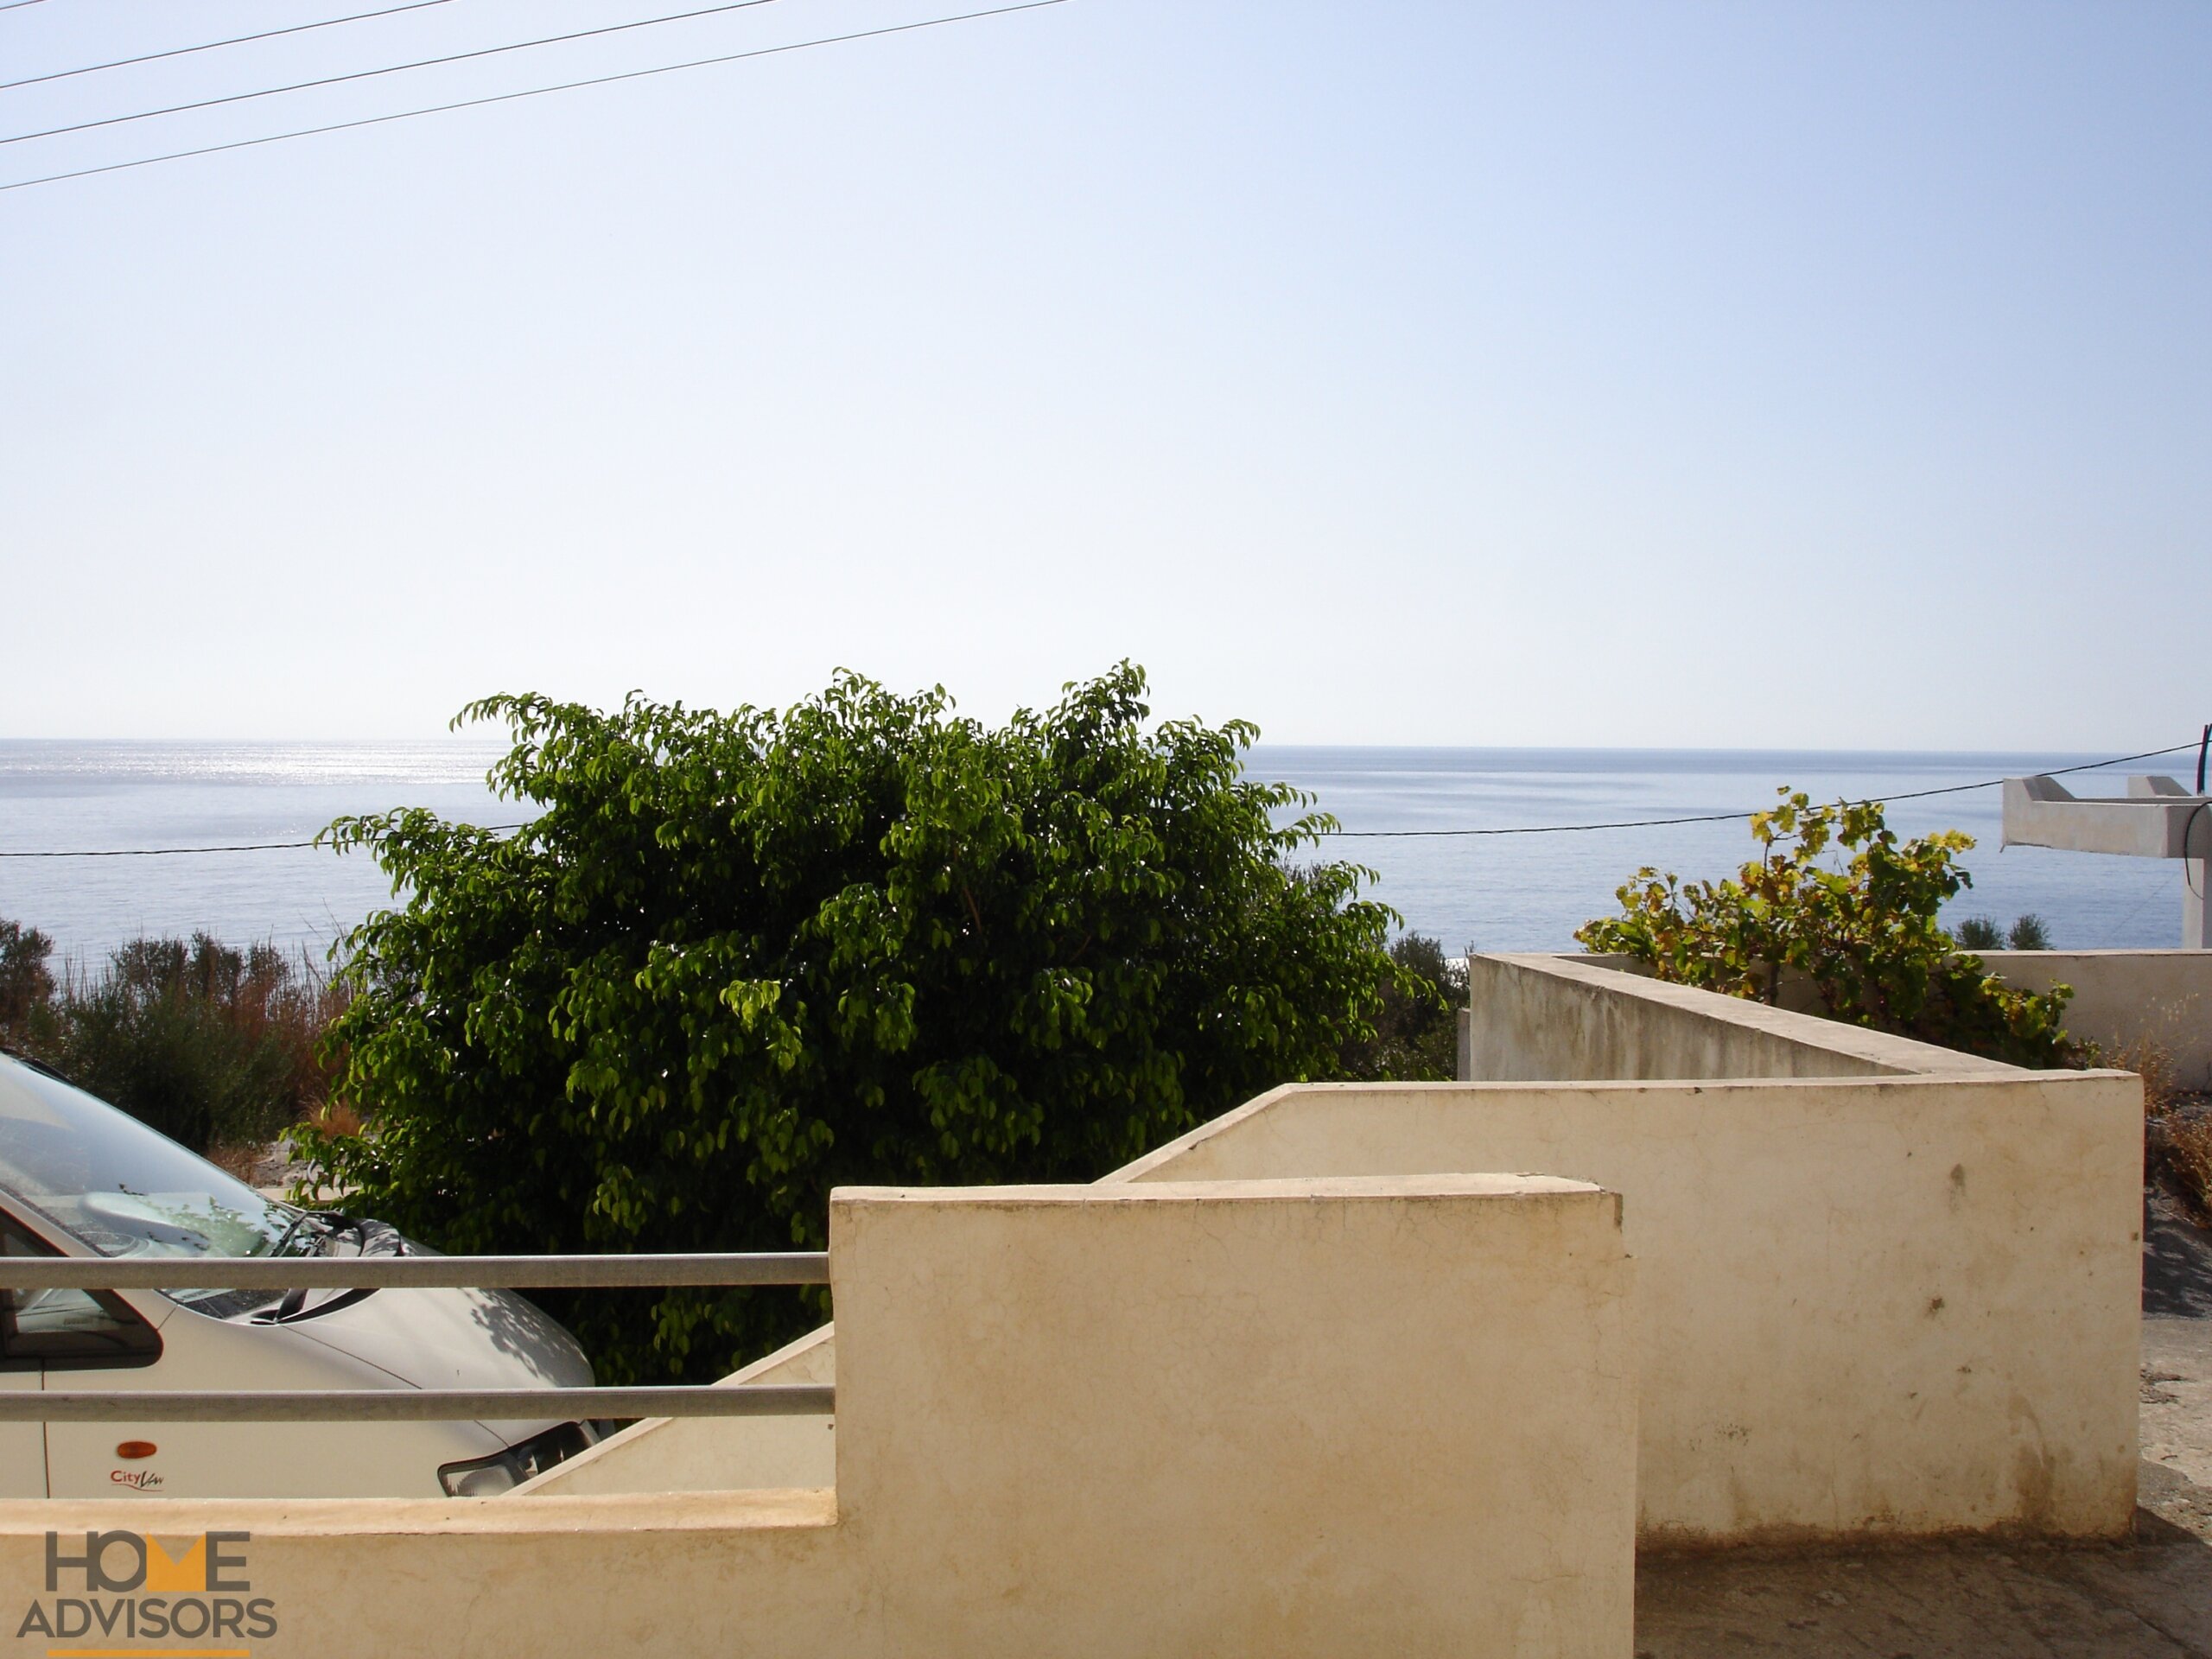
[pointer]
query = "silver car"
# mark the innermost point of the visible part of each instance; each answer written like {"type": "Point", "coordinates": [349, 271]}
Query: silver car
{"type": "Point", "coordinates": [79, 1177]}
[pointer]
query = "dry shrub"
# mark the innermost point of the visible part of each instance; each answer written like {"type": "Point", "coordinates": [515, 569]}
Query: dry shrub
{"type": "Point", "coordinates": [213, 1045]}
{"type": "Point", "coordinates": [2176, 1128]}
{"type": "Point", "coordinates": [2152, 1063]}
{"type": "Point", "coordinates": [238, 1161]}
{"type": "Point", "coordinates": [335, 1117]}
{"type": "Point", "coordinates": [2189, 1159]}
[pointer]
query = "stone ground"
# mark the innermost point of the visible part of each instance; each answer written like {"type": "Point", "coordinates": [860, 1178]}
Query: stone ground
{"type": "Point", "coordinates": [1988, 1600]}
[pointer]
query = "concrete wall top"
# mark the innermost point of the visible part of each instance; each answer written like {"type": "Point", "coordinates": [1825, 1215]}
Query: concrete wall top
{"type": "Point", "coordinates": [1123, 1188]}
{"type": "Point", "coordinates": [2148, 1010]}
{"type": "Point", "coordinates": [1303, 1418]}
{"type": "Point", "coordinates": [1547, 1017]}
{"type": "Point", "coordinates": [1902, 1305]}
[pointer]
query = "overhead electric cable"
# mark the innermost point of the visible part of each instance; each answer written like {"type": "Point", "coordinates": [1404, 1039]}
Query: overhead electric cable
{"type": "Point", "coordinates": [212, 46]}
{"type": "Point", "coordinates": [533, 92]}
{"type": "Point", "coordinates": [13, 5]}
{"type": "Point", "coordinates": [1727, 818]}
{"type": "Point", "coordinates": [388, 69]}
{"type": "Point", "coordinates": [236, 847]}
{"type": "Point", "coordinates": [1524, 830]}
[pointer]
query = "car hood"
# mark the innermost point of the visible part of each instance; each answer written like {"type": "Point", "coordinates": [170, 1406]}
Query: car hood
{"type": "Point", "coordinates": [453, 1339]}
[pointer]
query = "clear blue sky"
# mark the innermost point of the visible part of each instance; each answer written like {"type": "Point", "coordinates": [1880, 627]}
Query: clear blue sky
{"type": "Point", "coordinates": [1670, 374]}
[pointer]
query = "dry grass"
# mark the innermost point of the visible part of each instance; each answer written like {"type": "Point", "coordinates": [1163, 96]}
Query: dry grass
{"type": "Point", "coordinates": [2188, 1159]}
{"type": "Point", "coordinates": [238, 1161]}
{"type": "Point", "coordinates": [335, 1117]}
{"type": "Point", "coordinates": [2177, 1129]}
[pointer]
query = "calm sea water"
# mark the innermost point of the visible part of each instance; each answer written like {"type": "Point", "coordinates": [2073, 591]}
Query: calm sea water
{"type": "Point", "coordinates": [1502, 893]}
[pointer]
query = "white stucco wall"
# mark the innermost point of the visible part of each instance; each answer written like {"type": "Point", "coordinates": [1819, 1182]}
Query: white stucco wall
{"type": "Point", "coordinates": [1552, 1019]}
{"type": "Point", "coordinates": [1305, 1417]}
{"type": "Point", "coordinates": [1840, 1336]}
{"type": "Point", "coordinates": [1865, 1306]}
{"type": "Point", "coordinates": [2133, 1004]}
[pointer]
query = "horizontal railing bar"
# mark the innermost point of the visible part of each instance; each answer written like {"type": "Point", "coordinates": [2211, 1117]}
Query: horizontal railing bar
{"type": "Point", "coordinates": [414, 1405]}
{"type": "Point", "coordinates": [420, 1272]}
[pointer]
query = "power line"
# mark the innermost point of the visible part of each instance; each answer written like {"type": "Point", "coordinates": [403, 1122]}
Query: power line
{"type": "Point", "coordinates": [238, 846]}
{"type": "Point", "coordinates": [389, 69]}
{"type": "Point", "coordinates": [1727, 818]}
{"type": "Point", "coordinates": [1525, 830]}
{"type": "Point", "coordinates": [533, 92]}
{"type": "Point", "coordinates": [13, 5]}
{"type": "Point", "coordinates": [211, 46]}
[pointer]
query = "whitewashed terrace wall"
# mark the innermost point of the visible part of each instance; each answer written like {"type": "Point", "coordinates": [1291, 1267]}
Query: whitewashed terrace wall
{"type": "Point", "coordinates": [1310, 1418]}
{"type": "Point", "coordinates": [1884, 1287]}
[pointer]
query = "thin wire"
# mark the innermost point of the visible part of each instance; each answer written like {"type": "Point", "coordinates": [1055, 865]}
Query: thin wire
{"type": "Point", "coordinates": [2128, 920]}
{"type": "Point", "coordinates": [533, 92]}
{"type": "Point", "coordinates": [1533, 830]}
{"type": "Point", "coordinates": [240, 847]}
{"type": "Point", "coordinates": [1729, 817]}
{"type": "Point", "coordinates": [389, 69]}
{"type": "Point", "coordinates": [212, 46]}
{"type": "Point", "coordinates": [13, 5]}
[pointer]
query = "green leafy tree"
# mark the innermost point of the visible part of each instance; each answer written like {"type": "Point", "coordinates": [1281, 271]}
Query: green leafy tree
{"type": "Point", "coordinates": [1864, 935]}
{"type": "Point", "coordinates": [737, 959]}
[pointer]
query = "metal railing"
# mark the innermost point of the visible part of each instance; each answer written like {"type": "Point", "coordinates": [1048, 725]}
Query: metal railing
{"type": "Point", "coordinates": [401, 1404]}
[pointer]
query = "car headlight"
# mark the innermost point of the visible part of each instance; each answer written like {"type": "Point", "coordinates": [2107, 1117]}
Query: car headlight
{"type": "Point", "coordinates": [505, 1470]}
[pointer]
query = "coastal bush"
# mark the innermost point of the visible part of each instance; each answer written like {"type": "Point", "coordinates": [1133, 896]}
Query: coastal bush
{"type": "Point", "coordinates": [214, 1046]}
{"type": "Point", "coordinates": [2029, 932]}
{"type": "Point", "coordinates": [1865, 935]}
{"type": "Point", "coordinates": [1417, 1026]}
{"type": "Point", "coordinates": [737, 959]}
{"type": "Point", "coordinates": [1978, 933]}
{"type": "Point", "coordinates": [26, 981]}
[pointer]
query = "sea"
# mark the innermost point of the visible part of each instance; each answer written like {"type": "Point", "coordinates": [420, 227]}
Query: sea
{"type": "Point", "coordinates": [1525, 891]}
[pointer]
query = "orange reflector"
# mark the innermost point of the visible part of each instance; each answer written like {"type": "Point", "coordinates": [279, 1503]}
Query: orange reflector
{"type": "Point", "coordinates": [137, 1449]}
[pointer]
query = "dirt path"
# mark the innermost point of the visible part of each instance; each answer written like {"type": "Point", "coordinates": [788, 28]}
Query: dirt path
{"type": "Point", "coordinates": [1987, 1601]}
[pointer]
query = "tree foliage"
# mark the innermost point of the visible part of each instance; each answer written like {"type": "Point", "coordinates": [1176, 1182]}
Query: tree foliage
{"type": "Point", "coordinates": [1865, 935]}
{"type": "Point", "coordinates": [2028, 932]}
{"type": "Point", "coordinates": [737, 959]}
{"type": "Point", "coordinates": [1416, 1037]}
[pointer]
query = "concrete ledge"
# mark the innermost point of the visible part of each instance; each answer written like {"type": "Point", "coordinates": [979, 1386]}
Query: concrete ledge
{"type": "Point", "coordinates": [1183, 1419]}
{"type": "Point", "coordinates": [2140, 1007]}
{"type": "Point", "coordinates": [1538, 1019]}
{"type": "Point", "coordinates": [1897, 1306]}
{"type": "Point", "coordinates": [339, 1517]}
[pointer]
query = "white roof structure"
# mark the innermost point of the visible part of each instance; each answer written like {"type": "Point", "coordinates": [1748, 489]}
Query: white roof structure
{"type": "Point", "coordinates": [2157, 818]}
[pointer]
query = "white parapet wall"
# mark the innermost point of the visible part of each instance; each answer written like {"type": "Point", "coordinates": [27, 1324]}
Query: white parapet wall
{"type": "Point", "coordinates": [1552, 1018]}
{"type": "Point", "coordinates": [1883, 1288]}
{"type": "Point", "coordinates": [1310, 1417]}
{"type": "Point", "coordinates": [1866, 1307]}
{"type": "Point", "coordinates": [2145, 1009]}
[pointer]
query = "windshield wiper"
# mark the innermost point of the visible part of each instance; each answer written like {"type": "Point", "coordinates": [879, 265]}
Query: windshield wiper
{"type": "Point", "coordinates": [296, 1300]}
{"type": "Point", "coordinates": [329, 1219]}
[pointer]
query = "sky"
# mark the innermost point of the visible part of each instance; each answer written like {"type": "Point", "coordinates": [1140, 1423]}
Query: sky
{"type": "Point", "coordinates": [1684, 375]}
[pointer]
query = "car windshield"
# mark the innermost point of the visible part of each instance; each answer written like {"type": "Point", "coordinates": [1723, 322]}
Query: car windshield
{"type": "Point", "coordinates": [124, 1189]}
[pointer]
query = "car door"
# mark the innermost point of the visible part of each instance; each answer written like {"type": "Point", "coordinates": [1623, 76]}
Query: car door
{"type": "Point", "coordinates": [55, 1339]}
{"type": "Point", "coordinates": [23, 1445]}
